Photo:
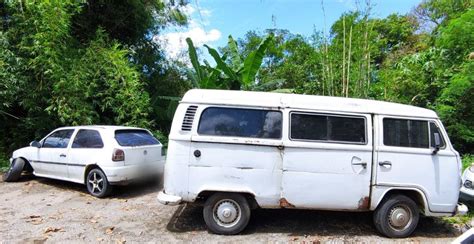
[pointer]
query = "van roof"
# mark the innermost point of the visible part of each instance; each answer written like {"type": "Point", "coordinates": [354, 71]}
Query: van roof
{"type": "Point", "coordinates": [322, 103]}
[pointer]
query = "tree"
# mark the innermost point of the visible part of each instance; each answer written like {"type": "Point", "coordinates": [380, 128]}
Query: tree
{"type": "Point", "coordinates": [70, 62]}
{"type": "Point", "coordinates": [240, 73]}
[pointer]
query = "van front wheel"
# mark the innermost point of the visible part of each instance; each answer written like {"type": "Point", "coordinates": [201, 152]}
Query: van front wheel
{"type": "Point", "coordinates": [397, 217]}
{"type": "Point", "coordinates": [226, 213]}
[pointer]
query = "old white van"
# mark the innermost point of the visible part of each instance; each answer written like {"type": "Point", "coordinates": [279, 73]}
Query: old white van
{"type": "Point", "coordinates": [235, 151]}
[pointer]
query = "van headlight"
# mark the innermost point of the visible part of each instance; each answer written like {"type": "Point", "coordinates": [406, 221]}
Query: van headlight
{"type": "Point", "coordinates": [468, 184]}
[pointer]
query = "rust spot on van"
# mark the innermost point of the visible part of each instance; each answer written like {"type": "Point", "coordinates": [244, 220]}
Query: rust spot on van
{"type": "Point", "coordinates": [285, 204]}
{"type": "Point", "coordinates": [364, 203]}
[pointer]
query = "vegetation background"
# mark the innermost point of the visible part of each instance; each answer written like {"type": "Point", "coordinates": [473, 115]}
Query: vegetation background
{"type": "Point", "coordinates": [66, 62]}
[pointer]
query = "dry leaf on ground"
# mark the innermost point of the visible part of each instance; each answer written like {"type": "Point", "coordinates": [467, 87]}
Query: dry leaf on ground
{"type": "Point", "coordinates": [53, 229]}
{"type": "Point", "coordinates": [109, 230]}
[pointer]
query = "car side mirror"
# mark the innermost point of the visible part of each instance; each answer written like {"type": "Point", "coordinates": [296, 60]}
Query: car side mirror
{"type": "Point", "coordinates": [35, 144]}
{"type": "Point", "coordinates": [437, 142]}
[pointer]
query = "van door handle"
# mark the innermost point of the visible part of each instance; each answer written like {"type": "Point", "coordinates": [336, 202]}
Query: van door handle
{"type": "Point", "coordinates": [386, 164]}
{"type": "Point", "coordinates": [363, 164]}
{"type": "Point", "coordinates": [62, 155]}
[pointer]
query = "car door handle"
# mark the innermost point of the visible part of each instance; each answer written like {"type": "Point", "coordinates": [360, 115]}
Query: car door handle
{"type": "Point", "coordinates": [62, 155]}
{"type": "Point", "coordinates": [363, 164]}
{"type": "Point", "coordinates": [386, 164]}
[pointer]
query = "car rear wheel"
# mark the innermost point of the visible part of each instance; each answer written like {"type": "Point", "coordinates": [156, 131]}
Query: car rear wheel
{"type": "Point", "coordinates": [97, 183]}
{"type": "Point", "coordinates": [14, 172]}
{"type": "Point", "coordinates": [226, 213]}
{"type": "Point", "coordinates": [397, 217]}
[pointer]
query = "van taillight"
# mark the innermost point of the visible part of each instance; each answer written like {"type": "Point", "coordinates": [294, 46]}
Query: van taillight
{"type": "Point", "coordinates": [119, 155]}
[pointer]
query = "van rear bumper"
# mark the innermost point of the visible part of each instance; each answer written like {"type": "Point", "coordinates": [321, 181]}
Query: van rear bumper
{"type": "Point", "coordinates": [168, 199]}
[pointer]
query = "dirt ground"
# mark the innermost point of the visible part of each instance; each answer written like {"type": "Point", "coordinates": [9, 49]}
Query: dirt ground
{"type": "Point", "coordinates": [39, 210]}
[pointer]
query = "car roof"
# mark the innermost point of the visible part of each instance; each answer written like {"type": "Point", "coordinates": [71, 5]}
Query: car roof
{"type": "Point", "coordinates": [310, 102]}
{"type": "Point", "coordinates": [102, 127]}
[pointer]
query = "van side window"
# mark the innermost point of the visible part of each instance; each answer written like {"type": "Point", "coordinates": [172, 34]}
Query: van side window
{"type": "Point", "coordinates": [405, 133]}
{"type": "Point", "coordinates": [327, 128]}
{"type": "Point", "coordinates": [239, 122]}
{"type": "Point", "coordinates": [435, 129]}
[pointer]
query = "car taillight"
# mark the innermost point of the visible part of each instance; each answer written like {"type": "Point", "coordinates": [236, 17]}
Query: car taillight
{"type": "Point", "coordinates": [118, 155]}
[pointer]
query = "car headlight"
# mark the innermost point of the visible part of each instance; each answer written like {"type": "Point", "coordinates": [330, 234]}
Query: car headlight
{"type": "Point", "coordinates": [471, 168]}
{"type": "Point", "coordinates": [468, 184]}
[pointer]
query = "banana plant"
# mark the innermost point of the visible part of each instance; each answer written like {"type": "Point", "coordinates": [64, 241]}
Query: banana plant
{"type": "Point", "coordinates": [237, 74]}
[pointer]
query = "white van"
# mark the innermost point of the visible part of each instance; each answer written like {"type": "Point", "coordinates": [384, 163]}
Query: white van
{"type": "Point", "coordinates": [236, 150]}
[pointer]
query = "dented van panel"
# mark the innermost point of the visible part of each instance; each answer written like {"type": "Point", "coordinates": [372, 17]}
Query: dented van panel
{"type": "Point", "coordinates": [236, 168]}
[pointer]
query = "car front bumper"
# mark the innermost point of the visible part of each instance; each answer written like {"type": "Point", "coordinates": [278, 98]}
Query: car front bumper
{"type": "Point", "coordinates": [168, 199]}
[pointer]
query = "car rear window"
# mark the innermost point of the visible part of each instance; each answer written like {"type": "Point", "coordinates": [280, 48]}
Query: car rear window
{"type": "Point", "coordinates": [135, 138]}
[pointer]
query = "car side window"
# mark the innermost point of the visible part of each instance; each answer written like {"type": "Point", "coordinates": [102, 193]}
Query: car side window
{"type": "Point", "coordinates": [405, 133]}
{"type": "Point", "coordinates": [87, 139]}
{"type": "Point", "coordinates": [435, 129]}
{"type": "Point", "coordinates": [59, 139]}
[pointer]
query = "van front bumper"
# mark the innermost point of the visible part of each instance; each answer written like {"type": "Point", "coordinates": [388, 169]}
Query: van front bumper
{"type": "Point", "coordinates": [168, 199]}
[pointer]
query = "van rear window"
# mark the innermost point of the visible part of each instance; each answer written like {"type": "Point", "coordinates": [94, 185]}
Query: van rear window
{"type": "Point", "coordinates": [130, 138]}
{"type": "Point", "coordinates": [238, 122]}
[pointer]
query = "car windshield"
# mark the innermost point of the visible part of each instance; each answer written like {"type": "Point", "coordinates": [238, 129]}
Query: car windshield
{"type": "Point", "coordinates": [135, 138]}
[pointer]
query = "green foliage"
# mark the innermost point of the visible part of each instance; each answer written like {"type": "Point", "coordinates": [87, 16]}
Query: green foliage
{"type": "Point", "coordinates": [253, 62]}
{"type": "Point", "coordinates": [457, 38]}
{"type": "Point", "coordinates": [455, 106]}
{"type": "Point", "coordinates": [101, 82]}
{"type": "Point", "coordinates": [76, 62]}
{"type": "Point", "coordinates": [467, 160]}
{"type": "Point", "coordinates": [227, 75]}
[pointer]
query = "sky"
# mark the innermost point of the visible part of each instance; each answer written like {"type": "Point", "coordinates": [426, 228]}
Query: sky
{"type": "Point", "coordinates": [212, 21]}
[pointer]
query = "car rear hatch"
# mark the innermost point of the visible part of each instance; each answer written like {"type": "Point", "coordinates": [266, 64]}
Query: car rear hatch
{"type": "Point", "coordinates": [139, 146]}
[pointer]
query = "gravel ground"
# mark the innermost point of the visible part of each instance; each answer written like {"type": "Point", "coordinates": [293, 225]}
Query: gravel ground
{"type": "Point", "coordinates": [43, 210]}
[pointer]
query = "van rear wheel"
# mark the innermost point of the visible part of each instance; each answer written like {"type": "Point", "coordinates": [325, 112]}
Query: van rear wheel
{"type": "Point", "coordinates": [226, 213]}
{"type": "Point", "coordinates": [396, 217]}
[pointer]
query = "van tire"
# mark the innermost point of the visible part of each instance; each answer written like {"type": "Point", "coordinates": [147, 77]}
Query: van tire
{"type": "Point", "coordinates": [97, 178]}
{"type": "Point", "coordinates": [386, 221]}
{"type": "Point", "coordinates": [222, 206]}
{"type": "Point", "coordinates": [14, 172]}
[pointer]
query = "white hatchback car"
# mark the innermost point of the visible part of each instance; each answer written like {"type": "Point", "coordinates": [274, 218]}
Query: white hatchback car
{"type": "Point", "coordinates": [97, 156]}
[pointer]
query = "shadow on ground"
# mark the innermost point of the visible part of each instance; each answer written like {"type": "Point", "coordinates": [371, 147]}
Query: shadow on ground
{"type": "Point", "coordinates": [131, 190]}
{"type": "Point", "coordinates": [189, 218]}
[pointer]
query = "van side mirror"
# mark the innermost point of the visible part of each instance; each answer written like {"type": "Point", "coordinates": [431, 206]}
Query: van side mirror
{"type": "Point", "coordinates": [35, 144]}
{"type": "Point", "coordinates": [437, 142]}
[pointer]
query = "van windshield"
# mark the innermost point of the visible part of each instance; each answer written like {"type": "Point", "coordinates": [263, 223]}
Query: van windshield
{"type": "Point", "coordinates": [130, 138]}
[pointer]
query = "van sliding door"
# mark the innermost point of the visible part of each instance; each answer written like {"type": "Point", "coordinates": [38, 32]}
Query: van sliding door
{"type": "Point", "coordinates": [327, 162]}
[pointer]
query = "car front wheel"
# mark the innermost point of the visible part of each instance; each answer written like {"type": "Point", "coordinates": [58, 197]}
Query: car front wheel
{"type": "Point", "coordinates": [397, 217]}
{"type": "Point", "coordinates": [14, 172]}
{"type": "Point", "coordinates": [226, 213]}
{"type": "Point", "coordinates": [97, 183]}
